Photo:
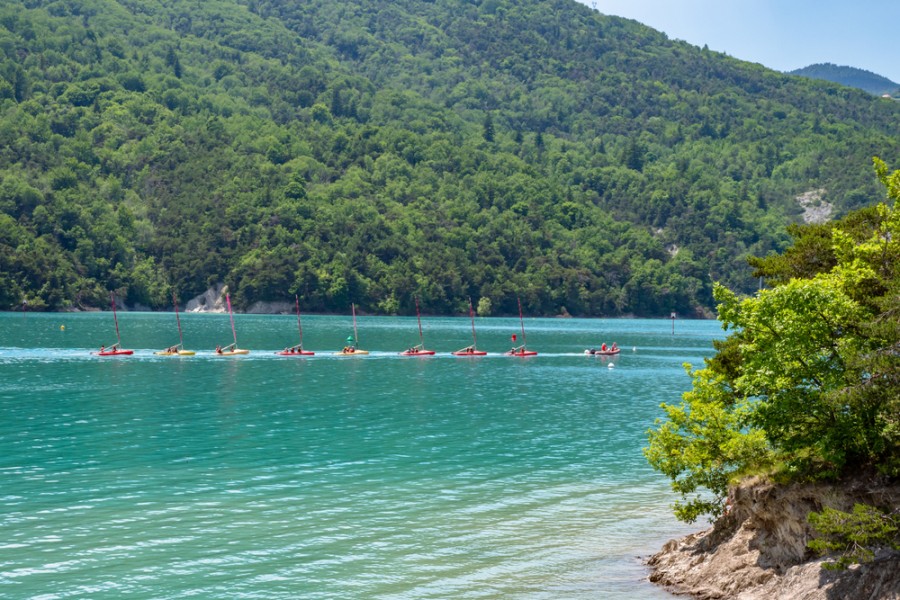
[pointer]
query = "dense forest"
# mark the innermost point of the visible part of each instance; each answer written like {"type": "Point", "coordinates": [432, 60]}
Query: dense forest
{"type": "Point", "coordinates": [369, 150]}
{"type": "Point", "coordinates": [851, 76]}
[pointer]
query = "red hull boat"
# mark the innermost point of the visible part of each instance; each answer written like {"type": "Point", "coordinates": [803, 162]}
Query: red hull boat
{"type": "Point", "coordinates": [417, 352]}
{"type": "Point", "coordinates": [470, 352]}
{"type": "Point", "coordinates": [115, 353]}
{"type": "Point", "coordinates": [295, 352]}
{"type": "Point", "coordinates": [520, 350]}
{"type": "Point", "coordinates": [419, 349]}
{"type": "Point", "coordinates": [115, 349]}
{"type": "Point", "coordinates": [473, 349]}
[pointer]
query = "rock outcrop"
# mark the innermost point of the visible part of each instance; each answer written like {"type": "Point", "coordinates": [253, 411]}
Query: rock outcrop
{"type": "Point", "coordinates": [213, 300]}
{"type": "Point", "coordinates": [758, 550]}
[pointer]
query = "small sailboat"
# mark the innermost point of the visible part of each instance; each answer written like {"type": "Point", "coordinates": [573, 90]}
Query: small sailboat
{"type": "Point", "coordinates": [473, 349]}
{"type": "Point", "coordinates": [298, 349]}
{"type": "Point", "coordinates": [520, 350]}
{"type": "Point", "coordinates": [352, 347]}
{"type": "Point", "coordinates": [418, 349]}
{"type": "Point", "coordinates": [230, 349]}
{"type": "Point", "coordinates": [177, 350]}
{"type": "Point", "coordinates": [116, 349]}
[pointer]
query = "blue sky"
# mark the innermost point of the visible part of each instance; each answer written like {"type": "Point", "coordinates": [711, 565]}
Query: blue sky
{"type": "Point", "coordinates": [780, 34]}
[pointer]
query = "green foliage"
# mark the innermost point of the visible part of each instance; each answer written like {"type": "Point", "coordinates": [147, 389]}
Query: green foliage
{"type": "Point", "coordinates": [369, 150]}
{"type": "Point", "coordinates": [485, 306]}
{"type": "Point", "coordinates": [705, 443]}
{"type": "Point", "coordinates": [853, 536]}
{"type": "Point", "coordinates": [807, 385]}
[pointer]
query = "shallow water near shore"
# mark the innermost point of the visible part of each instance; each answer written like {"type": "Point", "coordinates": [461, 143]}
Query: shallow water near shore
{"type": "Point", "coordinates": [261, 476]}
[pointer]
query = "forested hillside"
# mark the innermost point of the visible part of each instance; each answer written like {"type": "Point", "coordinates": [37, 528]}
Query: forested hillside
{"type": "Point", "coordinates": [368, 150]}
{"type": "Point", "coordinates": [858, 78]}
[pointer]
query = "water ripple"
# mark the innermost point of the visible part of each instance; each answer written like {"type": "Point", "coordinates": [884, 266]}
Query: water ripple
{"type": "Point", "coordinates": [331, 478]}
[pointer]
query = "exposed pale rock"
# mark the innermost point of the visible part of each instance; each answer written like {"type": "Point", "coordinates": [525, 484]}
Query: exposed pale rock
{"type": "Point", "coordinates": [213, 300]}
{"type": "Point", "coordinates": [815, 209]}
{"type": "Point", "coordinates": [758, 550]}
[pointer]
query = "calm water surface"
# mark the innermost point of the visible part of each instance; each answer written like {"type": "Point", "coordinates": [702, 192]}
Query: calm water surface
{"type": "Point", "coordinates": [331, 477]}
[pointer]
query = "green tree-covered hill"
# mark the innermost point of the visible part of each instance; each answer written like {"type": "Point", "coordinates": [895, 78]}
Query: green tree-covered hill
{"type": "Point", "coordinates": [851, 76]}
{"type": "Point", "coordinates": [363, 151]}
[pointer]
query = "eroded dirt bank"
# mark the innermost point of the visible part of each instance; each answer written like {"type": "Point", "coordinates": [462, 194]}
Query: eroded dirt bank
{"type": "Point", "coordinates": [758, 551]}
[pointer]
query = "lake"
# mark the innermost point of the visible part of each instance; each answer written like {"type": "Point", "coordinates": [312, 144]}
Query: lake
{"type": "Point", "coordinates": [376, 476]}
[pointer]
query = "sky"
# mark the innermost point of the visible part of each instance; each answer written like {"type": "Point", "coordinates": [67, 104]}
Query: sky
{"type": "Point", "coordinates": [781, 34]}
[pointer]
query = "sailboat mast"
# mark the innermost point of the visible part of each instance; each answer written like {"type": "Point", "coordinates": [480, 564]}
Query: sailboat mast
{"type": "Point", "coordinates": [112, 299]}
{"type": "Point", "coordinates": [355, 336]}
{"type": "Point", "coordinates": [177, 319]}
{"type": "Point", "coordinates": [231, 316]}
{"type": "Point", "coordinates": [419, 319]}
{"type": "Point", "coordinates": [522, 321]}
{"type": "Point", "coordinates": [472, 316]}
{"type": "Point", "coordinates": [299, 326]}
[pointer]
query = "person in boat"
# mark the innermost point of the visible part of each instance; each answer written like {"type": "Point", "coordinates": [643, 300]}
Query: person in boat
{"type": "Point", "coordinates": [103, 348]}
{"type": "Point", "coordinates": [603, 347]}
{"type": "Point", "coordinates": [218, 349]}
{"type": "Point", "coordinates": [614, 347]}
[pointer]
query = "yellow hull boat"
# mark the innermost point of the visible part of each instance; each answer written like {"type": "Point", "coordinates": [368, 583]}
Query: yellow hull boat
{"type": "Point", "coordinates": [234, 352]}
{"type": "Point", "coordinates": [351, 352]}
{"type": "Point", "coordinates": [176, 353]}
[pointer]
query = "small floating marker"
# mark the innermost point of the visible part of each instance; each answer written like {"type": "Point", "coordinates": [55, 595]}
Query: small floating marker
{"type": "Point", "coordinates": [611, 365]}
{"type": "Point", "coordinates": [634, 348]}
{"type": "Point", "coordinates": [62, 327]}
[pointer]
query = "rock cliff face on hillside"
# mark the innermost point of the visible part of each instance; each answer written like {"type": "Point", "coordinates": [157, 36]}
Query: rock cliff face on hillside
{"type": "Point", "coordinates": [213, 300]}
{"type": "Point", "coordinates": [758, 551]}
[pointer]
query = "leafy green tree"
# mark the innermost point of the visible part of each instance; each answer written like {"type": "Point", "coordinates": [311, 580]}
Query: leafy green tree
{"type": "Point", "coordinates": [488, 128]}
{"type": "Point", "coordinates": [806, 384]}
{"type": "Point", "coordinates": [484, 307]}
{"type": "Point", "coordinates": [705, 443]}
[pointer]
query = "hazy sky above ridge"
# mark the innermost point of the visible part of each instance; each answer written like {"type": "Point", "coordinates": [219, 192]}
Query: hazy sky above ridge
{"type": "Point", "coordinates": [780, 34]}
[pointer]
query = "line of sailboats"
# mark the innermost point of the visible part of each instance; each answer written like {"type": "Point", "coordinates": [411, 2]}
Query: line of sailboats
{"type": "Point", "coordinates": [351, 348]}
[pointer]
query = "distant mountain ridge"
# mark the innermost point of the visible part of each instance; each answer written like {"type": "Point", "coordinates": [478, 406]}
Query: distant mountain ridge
{"type": "Point", "coordinates": [852, 77]}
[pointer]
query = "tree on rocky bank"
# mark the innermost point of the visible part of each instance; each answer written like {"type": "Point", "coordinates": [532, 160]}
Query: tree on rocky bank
{"type": "Point", "coordinates": [807, 384]}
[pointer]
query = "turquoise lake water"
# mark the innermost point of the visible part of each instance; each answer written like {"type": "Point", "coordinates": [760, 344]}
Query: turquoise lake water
{"type": "Point", "coordinates": [333, 477]}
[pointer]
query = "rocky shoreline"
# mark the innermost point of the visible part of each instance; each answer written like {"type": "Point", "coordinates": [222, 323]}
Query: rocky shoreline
{"type": "Point", "coordinates": [758, 550]}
